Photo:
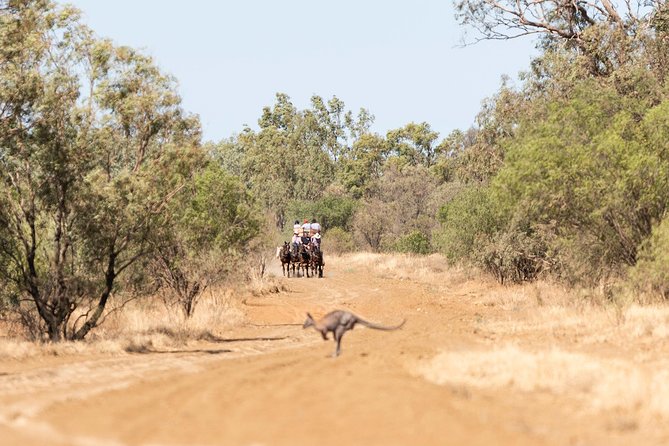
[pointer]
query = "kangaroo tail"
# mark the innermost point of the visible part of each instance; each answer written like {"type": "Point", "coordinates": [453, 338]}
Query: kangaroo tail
{"type": "Point", "coordinates": [381, 327]}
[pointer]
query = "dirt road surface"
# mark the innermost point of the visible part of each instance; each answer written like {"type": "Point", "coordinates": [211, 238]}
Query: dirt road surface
{"type": "Point", "coordinates": [269, 382]}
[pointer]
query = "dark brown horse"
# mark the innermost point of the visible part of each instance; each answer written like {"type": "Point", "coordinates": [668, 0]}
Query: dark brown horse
{"type": "Point", "coordinates": [295, 258]}
{"type": "Point", "coordinates": [317, 263]}
{"type": "Point", "coordinates": [285, 257]}
{"type": "Point", "coordinates": [304, 259]}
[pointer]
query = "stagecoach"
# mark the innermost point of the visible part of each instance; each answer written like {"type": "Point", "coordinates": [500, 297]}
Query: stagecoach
{"type": "Point", "coordinates": [301, 258]}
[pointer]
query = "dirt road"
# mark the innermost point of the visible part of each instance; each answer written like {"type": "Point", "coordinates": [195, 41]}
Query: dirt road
{"type": "Point", "coordinates": [271, 383]}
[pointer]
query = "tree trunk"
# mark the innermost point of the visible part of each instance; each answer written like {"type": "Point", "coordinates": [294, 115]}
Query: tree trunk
{"type": "Point", "coordinates": [109, 284]}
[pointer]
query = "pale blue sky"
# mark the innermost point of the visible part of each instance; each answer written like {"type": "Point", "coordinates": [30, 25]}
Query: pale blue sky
{"type": "Point", "coordinates": [398, 59]}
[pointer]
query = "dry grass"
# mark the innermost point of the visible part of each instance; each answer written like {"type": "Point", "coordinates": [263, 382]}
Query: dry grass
{"type": "Point", "coordinates": [264, 285]}
{"type": "Point", "coordinates": [606, 352]}
{"type": "Point", "coordinates": [19, 349]}
{"type": "Point", "coordinates": [150, 324]}
{"type": "Point", "coordinates": [429, 270]}
{"type": "Point", "coordinates": [142, 326]}
{"type": "Point", "coordinates": [548, 308]}
{"type": "Point", "coordinates": [592, 315]}
{"type": "Point", "coordinates": [600, 384]}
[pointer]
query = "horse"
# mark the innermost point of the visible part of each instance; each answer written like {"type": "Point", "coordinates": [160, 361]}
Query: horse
{"type": "Point", "coordinates": [285, 257]}
{"type": "Point", "coordinates": [317, 260]}
{"type": "Point", "coordinates": [304, 260]}
{"type": "Point", "coordinates": [295, 258]}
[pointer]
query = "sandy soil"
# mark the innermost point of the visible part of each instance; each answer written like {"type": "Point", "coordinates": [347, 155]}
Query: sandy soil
{"type": "Point", "coordinates": [269, 382]}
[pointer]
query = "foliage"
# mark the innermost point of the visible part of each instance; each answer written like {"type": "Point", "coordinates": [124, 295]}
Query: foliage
{"type": "Point", "coordinates": [476, 155]}
{"type": "Point", "coordinates": [370, 223]}
{"type": "Point", "coordinates": [207, 231]}
{"type": "Point", "coordinates": [399, 202]}
{"type": "Point", "coordinates": [594, 166]}
{"type": "Point", "coordinates": [513, 256]}
{"type": "Point", "coordinates": [414, 242]}
{"type": "Point", "coordinates": [363, 165]}
{"type": "Point", "coordinates": [93, 144]}
{"type": "Point", "coordinates": [414, 144]}
{"type": "Point", "coordinates": [295, 154]}
{"type": "Point", "coordinates": [651, 273]}
{"type": "Point", "coordinates": [603, 32]}
{"type": "Point", "coordinates": [338, 241]}
{"type": "Point", "coordinates": [467, 223]}
{"type": "Point", "coordinates": [330, 211]}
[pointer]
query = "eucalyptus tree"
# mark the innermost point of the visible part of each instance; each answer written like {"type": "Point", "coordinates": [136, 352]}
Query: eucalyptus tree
{"type": "Point", "coordinates": [93, 145]}
{"type": "Point", "coordinates": [335, 127]}
{"type": "Point", "coordinates": [414, 144]}
{"type": "Point", "coordinates": [207, 234]}
{"type": "Point", "coordinates": [280, 164]}
{"type": "Point", "coordinates": [296, 153]}
{"type": "Point", "coordinates": [363, 164]}
{"type": "Point", "coordinates": [604, 32]}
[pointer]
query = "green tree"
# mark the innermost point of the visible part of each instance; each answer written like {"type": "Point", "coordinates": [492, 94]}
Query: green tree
{"type": "Point", "coordinates": [93, 145]}
{"type": "Point", "coordinates": [414, 144]}
{"type": "Point", "coordinates": [414, 242]}
{"type": "Point", "coordinates": [401, 201]}
{"type": "Point", "coordinates": [468, 222]}
{"type": "Point", "coordinates": [296, 153]}
{"type": "Point", "coordinates": [331, 211]}
{"type": "Point", "coordinates": [595, 169]}
{"type": "Point", "coordinates": [206, 232]}
{"type": "Point", "coordinates": [363, 165]}
{"type": "Point", "coordinates": [286, 159]}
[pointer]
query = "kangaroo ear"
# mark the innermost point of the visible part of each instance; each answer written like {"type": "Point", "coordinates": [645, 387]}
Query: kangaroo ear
{"type": "Point", "coordinates": [309, 316]}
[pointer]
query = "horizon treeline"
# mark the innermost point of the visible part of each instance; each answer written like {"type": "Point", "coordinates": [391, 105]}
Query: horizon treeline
{"type": "Point", "coordinates": [108, 193]}
{"type": "Point", "coordinates": [565, 175]}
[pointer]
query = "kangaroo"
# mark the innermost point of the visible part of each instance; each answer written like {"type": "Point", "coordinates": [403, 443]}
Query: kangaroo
{"type": "Point", "coordinates": [339, 322]}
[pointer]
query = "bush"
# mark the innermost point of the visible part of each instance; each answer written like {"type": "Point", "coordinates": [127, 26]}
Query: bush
{"type": "Point", "coordinates": [330, 211]}
{"type": "Point", "coordinates": [512, 256]}
{"type": "Point", "coordinates": [651, 273]}
{"type": "Point", "coordinates": [466, 222]}
{"type": "Point", "coordinates": [596, 167]}
{"type": "Point", "coordinates": [415, 242]}
{"type": "Point", "coordinates": [372, 223]}
{"type": "Point", "coordinates": [337, 241]}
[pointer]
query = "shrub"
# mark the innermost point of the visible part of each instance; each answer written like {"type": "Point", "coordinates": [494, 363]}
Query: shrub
{"type": "Point", "coordinates": [466, 221]}
{"type": "Point", "coordinates": [415, 242]}
{"type": "Point", "coordinates": [651, 272]}
{"type": "Point", "coordinates": [372, 223]}
{"type": "Point", "coordinates": [513, 256]}
{"type": "Point", "coordinates": [338, 241]}
{"type": "Point", "coordinates": [330, 211]}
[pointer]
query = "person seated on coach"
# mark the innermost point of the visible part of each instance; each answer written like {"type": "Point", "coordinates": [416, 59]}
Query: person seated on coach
{"type": "Point", "coordinates": [297, 227]}
{"type": "Point", "coordinates": [316, 240]}
{"type": "Point", "coordinates": [315, 227]}
{"type": "Point", "coordinates": [296, 242]}
{"type": "Point", "coordinates": [306, 230]}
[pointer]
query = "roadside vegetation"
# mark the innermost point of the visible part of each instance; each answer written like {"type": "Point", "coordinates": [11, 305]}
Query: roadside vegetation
{"type": "Point", "coordinates": [109, 197]}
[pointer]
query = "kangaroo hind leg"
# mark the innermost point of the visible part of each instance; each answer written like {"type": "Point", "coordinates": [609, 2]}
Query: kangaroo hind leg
{"type": "Point", "coordinates": [338, 334]}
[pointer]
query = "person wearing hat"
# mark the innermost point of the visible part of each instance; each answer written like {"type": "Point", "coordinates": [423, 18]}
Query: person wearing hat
{"type": "Point", "coordinates": [297, 227]}
{"type": "Point", "coordinates": [316, 240]}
